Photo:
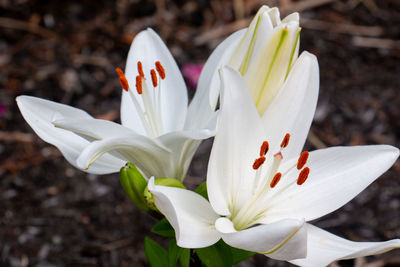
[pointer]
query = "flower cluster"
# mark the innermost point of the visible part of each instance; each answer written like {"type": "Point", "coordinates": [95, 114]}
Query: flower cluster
{"type": "Point", "coordinates": [263, 189]}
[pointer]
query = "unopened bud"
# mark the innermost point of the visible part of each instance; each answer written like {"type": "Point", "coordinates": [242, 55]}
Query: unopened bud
{"type": "Point", "coordinates": [134, 185]}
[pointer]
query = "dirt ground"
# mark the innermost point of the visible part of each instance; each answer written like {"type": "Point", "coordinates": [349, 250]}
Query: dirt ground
{"type": "Point", "coordinates": [54, 215]}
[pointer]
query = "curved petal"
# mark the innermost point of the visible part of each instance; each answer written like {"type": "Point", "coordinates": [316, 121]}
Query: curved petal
{"type": "Point", "coordinates": [236, 146]}
{"type": "Point", "coordinates": [92, 129]}
{"type": "Point", "coordinates": [282, 240]}
{"type": "Point", "coordinates": [148, 48]}
{"type": "Point", "coordinates": [40, 114]}
{"type": "Point", "coordinates": [247, 39]}
{"type": "Point", "coordinates": [183, 145]}
{"type": "Point", "coordinates": [336, 176]}
{"type": "Point", "coordinates": [190, 215]}
{"type": "Point", "coordinates": [151, 157]}
{"type": "Point", "coordinates": [324, 248]}
{"type": "Point", "coordinates": [205, 100]}
{"type": "Point", "coordinates": [293, 108]}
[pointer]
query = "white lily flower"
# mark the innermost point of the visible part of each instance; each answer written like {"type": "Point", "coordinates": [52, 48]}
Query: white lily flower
{"type": "Point", "coordinates": [157, 133]}
{"type": "Point", "coordinates": [264, 54]}
{"type": "Point", "coordinates": [262, 189]}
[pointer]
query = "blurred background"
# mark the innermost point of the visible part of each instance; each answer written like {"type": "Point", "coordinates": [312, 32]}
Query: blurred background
{"type": "Point", "coordinates": [66, 51]}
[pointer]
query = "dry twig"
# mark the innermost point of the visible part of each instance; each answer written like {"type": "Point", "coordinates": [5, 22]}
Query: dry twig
{"type": "Point", "coordinates": [376, 42]}
{"type": "Point", "coordinates": [344, 28]}
{"type": "Point", "coordinates": [26, 26]}
{"type": "Point", "coordinates": [10, 137]}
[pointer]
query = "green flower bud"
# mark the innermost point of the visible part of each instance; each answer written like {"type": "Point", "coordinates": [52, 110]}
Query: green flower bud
{"type": "Point", "coordinates": [134, 185]}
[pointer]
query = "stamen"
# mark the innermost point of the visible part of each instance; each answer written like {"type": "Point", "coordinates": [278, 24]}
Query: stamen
{"type": "Point", "coordinates": [302, 160]}
{"type": "Point", "coordinates": [258, 162]}
{"type": "Point", "coordinates": [139, 85]}
{"type": "Point", "coordinates": [285, 141]}
{"type": "Point", "coordinates": [275, 180]}
{"type": "Point", "coordinates": [140, 68]}
{"type": "Point", "coordinates": [303, 176]}
{"type": "Point", "coordinates": [264, 148]}
{"type": "Point", "coordinates": [160, 69]}
{"type": "Point", "coordinates": [122, 79]}
{"type": "Point", "coordinates": [153, 77]}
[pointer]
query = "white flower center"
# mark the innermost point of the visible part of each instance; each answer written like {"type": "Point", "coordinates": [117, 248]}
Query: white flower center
{"type": "Point", "coordinates": [148, 108]}
{"type": "Point", "coordinates": [260, 201]}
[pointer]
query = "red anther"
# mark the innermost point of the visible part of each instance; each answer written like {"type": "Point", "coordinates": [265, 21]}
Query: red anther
{"type": "Point", "coordinates": [140, 68]}
{"type": "Point", "coordinates": [275, 180]}
{"type": "Point", "coordinates": [139, 85]}
{"type": "Point", "coordinates": [302, 160]}
{"type": "Point", "coordinates": [119, 72]}
{"type": "Point", "coordinates": [122, 79]}
{"type": "Point", "coordinates": [153, 77]}
{"type": "Point", "coordinates": [258, 162]}
{"type": "Point", "coordinates": [264, 148]}
{"type": "Point", "coordinates": [303, 175]}
{"type": "Point", "coordinates": [160, 69]}
{"type": "Point", "coordinates": [285, 141]}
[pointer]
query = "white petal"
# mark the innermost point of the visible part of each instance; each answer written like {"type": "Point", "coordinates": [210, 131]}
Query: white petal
{"type": "Point", "coordinates": [190, 215]}
{"type": "Point", "coordinates": [291, 17]}
{"type": "Point", "coordinates": [282, 240]}
{"type": "Point", "coordinates": [242, 48]}
{"type": "Point", "coordinates": [205, 100]}
{"type": "Point", "coordinates": [148, 48]}
{"type": "Point", "coordinates": [324, 248]}
{"type": "Point", "coordinates": [93, 129]}
{"type": "Point", "coordinates": [150, 156]}
{"type": "Point", "coordinates": [236, 146]}
{"type": "Point", "coordinates": [183, 145]}
{"type": "Point", "coordinates": [275, 16]}
{"type": "Point", "coordinates": [262, 35]}
{"type": "Point", "coordinates": [336, 176]}
{"type": "Point", "coordinates": [40, 114]}
{"type": "Point", "coordinates": [293, 108]}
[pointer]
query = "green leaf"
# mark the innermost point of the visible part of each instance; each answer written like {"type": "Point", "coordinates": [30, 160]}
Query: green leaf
{"type": "Point", "coordinates": [239, 255]}
{"type": "Point", "coordinates": [184, 259]}
{"type": "Point", "coordinates": [173, 253]}
{"type": "Point", "coordinates": [156, 254]}
{"type": "Point", "coordinates": [217, 255]}
{"type": "Point", "coordinates": [163, 228]}
{"type": "Point", "coordinates": [202, 190]}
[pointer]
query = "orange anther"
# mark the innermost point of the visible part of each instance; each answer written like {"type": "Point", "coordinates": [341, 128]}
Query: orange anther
{"type": "Point", "coordinates": [285, 141]}
{"type": "Point", "coordinates": [275, 180]}
{"type": "Point", "coordinates": [122, 79]}
{"type": "Point", "coordinates": [258, 162]}
{"type": "Point", "coordinates": [139, 85]}
{"type": "Point", "coordinates": [153, 77]}
{"type": "Point", "coordinates": [160, 69]}
{"type": "Point", "coordinates": [302, 160]}
{"type": "Point", "coordinates": [303, 175]}
{"type": "Point", "coordinates": [264, 148]}
{"type": "Point", "coordinates": [140, 68]}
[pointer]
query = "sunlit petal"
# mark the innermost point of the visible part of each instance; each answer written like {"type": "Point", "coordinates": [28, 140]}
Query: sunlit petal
{"type": "Point", "coordinates": [189, 213]}
{"type": "Point", "coordinates": [323, 248]}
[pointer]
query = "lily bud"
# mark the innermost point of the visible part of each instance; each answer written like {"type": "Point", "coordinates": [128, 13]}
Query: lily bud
{"type": "Point", "coordinates": [266, 53]}
{"type": "Point", "coordinates": [171, 182]}
{"type": "Point", "coordinates": [134, 185]}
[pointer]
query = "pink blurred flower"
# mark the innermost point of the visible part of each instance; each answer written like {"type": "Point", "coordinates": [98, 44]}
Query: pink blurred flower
{"type": "Point", "coordinates": [191, 72]}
